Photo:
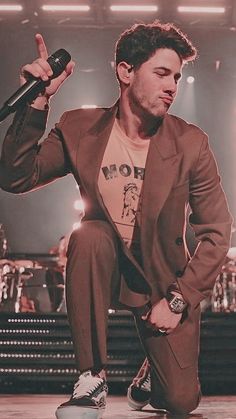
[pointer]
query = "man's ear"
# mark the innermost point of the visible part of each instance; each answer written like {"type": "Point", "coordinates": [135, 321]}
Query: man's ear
{"type": "Point", "coordinates": [124, 72]}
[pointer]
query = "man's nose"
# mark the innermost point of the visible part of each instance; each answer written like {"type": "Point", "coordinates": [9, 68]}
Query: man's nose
{"type": "Point", "coordinates": [171, 86]}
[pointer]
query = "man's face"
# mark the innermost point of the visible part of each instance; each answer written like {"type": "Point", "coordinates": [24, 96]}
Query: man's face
{"type": "Point", "coordinates": [154, 84]}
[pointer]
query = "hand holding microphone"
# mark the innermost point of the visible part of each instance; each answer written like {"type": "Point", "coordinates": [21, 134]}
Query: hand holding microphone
{"type": "Point", "coordinates": [40, 68]}
{"type": "Point", "coordinates": [44, 76]}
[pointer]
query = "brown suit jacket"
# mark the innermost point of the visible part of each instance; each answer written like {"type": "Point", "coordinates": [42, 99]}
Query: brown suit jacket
{"type": "Point", "coordinates": [180, 171]}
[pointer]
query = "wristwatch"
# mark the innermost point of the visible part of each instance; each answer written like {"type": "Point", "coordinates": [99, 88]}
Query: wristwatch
{"type": "Point", "coordinates": [176, 304]}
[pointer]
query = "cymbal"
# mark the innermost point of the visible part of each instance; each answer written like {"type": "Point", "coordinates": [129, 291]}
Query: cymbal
{"type": "Point", "coordinates": [24, 263]}
{"type": "Point", "coordinates": [6, 262]}
{"type": "Point", "coordinates": [30, 264]}
{"type": "Point", "coordinates": [232, 253]}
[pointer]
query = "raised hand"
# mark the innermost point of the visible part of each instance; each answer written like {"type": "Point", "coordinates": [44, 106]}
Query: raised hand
{"type": "Point", "coordinates": [40, 68]}
{"type": "Point", "coordinates": [161, 317]}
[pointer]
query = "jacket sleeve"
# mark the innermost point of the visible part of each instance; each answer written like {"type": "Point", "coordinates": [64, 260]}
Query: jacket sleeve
{"type": "Point", "coordinates": [25, 163]}
{"type": "Point", "coordinates": [211, 222]}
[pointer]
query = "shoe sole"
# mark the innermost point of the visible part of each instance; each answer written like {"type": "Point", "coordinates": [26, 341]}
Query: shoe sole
{"type": "Point", "coordinates": [133, 403]}
{"type": "Point", "coordinates": [77, 412]}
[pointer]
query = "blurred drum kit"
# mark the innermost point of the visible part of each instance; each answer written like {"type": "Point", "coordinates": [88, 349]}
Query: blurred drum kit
{"type": "Point", "coordinates": [13, 274]}
{"type": "Point", "coordinates": [23, 287]}
{"type": "Point", "coordinates": [224, 292]}
{"type": "Point", "coordinates": [17, 291]}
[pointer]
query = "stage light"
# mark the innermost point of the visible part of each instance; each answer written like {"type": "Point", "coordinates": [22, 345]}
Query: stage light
{"type": "Point", "coordinates": [65, 8]}
{"type": "Point", "coordinates": [88, 106]}
{"type": "Point", "coordinates": [31, 320]}
{"type": "Point", "coordinates": [79, 205]}
{"type": "Point", "coordinates": [190, 79]}
{"type": "Point", "coordinates": [217, 65]}
{"type": "Point", "coordinates": [200, 9]}
{"type": "Point", "coordinates": [76, 225]}
{"type": "Point", "coordinates": [11, 8]}
{"type": "Point", "coordinates": [133, 8]}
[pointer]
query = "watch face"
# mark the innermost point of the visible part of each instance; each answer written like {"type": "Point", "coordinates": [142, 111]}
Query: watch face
{"type": "Point", "coordinates": [177, 305]}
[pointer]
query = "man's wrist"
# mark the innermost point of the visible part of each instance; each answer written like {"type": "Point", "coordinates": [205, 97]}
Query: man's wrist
{"type": "Point", "coordinates": [41, 102]}
{"type": "Point", "coordinates": [143, 310]}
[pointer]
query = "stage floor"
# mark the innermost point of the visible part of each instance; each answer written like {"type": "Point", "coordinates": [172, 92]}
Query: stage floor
{"type": "Point", "coordinates": [43, 407]}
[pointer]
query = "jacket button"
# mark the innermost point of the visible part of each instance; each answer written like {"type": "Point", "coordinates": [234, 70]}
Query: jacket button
{"type": "Point", "coordinates": [179, 241]}
{"type": "Point", "coordinates": [179, 274]}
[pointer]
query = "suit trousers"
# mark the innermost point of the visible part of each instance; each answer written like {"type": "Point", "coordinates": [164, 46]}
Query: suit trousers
{"type": "Point", "coordinates": [92, 287]}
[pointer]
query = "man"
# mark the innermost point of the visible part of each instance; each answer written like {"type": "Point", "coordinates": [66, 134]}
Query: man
{"type": "Point", "coordinates": [138, 168]}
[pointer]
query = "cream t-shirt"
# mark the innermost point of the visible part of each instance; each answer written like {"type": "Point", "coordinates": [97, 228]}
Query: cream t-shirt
{"type": "Point", "coordinates": [121, 178]}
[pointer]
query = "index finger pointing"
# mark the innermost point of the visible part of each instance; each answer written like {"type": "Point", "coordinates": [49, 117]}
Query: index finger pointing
{"type": "Point", "coordinates": [41, 47]}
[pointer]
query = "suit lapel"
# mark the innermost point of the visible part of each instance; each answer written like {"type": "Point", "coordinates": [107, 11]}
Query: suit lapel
{"type": "Point", "coordinates": [91, 151]}
{"type": "Point", "coordinates": [160, 173]}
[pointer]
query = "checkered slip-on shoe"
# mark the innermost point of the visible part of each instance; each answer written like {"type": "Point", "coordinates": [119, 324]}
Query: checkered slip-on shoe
{"type": "Point", "coordinates": [139, 391]}
{"type": "Point", "coordinates": [88, 400]}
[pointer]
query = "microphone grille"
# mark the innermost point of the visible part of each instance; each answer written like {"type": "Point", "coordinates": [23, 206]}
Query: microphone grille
{"type": "Point", "coordinates": [58, 61]}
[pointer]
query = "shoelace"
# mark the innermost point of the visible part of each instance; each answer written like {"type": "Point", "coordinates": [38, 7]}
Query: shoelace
{"type": "Point", "coordinates": [86, 386]}
{"type": "Point", "coordinates": [146, 385]}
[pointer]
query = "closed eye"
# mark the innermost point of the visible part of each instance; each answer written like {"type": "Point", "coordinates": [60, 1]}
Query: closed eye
{"type": "Point", "coordinates": [164, 72]}
{"type": "Point", "coordinates": [160, 74]}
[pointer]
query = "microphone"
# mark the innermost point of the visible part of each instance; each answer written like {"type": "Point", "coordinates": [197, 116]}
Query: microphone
{"type": "Point", "coordinates": [31, 89]}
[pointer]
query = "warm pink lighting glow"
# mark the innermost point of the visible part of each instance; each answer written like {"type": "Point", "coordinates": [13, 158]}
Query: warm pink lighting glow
{"type": "Point", "coordinates": [89, 106]}
{"type": "Point", "coordinates": [200, 9]}
{"type": "Point", "coordinates": [190, 79]}
{"type": "Point", "coordinates": [65, 8]}
{"type": "Point", "coordinates": [133, 8]}
{"type": "Point", "coordinates": [10, 8]}
{"type": "Point", "coordinates": [76, 225]}
{"type": "Point", "coordinates": [79, 205]}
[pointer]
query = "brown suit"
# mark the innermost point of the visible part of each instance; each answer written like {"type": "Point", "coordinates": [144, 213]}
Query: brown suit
{"type": "Point", "coordinates": [180, 171]}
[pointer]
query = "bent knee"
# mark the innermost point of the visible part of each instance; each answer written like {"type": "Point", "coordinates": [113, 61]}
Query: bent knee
{"type": "Point", "coordinates": [182, 403]}
{"type": "Point", "coordinates": [92, 230]}
{"type": "Point", "coordinates": [178, 403]}
{"type": "Point", "coordinates": [94, 234]}
{"type": "Point", "coordinates": [91, 226]}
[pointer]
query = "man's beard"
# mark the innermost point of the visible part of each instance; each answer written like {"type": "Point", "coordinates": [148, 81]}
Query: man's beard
{"type": "Point", "coordinates": [150, 121]}
{"type": "Point", "coordinates": [137, 105]}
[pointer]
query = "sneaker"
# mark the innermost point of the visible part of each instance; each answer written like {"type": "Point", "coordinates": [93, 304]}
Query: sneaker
{"type": "Point", "coordinates": [139, 392]}
{"type": "Point", "coordinates": [88, 400]}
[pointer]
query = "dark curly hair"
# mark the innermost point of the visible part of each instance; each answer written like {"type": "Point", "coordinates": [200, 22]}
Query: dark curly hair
{"type": "Point", "coordinates": [138, 43]}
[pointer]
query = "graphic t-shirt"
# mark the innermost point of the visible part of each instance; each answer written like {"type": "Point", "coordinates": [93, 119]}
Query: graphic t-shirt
{"type": "Point", "coordinates": [120, 180]}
